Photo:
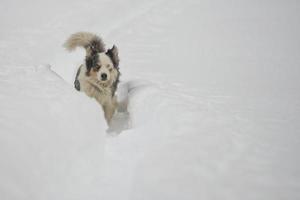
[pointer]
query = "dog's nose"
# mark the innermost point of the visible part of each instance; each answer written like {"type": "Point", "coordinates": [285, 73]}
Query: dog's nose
{"type": "Point", "coordinates": [103, 76]}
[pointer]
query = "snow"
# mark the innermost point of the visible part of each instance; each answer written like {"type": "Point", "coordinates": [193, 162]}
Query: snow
{"type": "Point", "coordinates": [46, 152]}
{"type": "Point", "coordinates": [212, 89]}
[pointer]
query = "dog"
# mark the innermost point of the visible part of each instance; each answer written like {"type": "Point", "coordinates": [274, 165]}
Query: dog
{"type": "Point", "coordinates": [99, 76]}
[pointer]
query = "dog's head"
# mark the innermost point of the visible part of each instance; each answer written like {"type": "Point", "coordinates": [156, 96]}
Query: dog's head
{"type": "Point", "coordinates": [103, 66]}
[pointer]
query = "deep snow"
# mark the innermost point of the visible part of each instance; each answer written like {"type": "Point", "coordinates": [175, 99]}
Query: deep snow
{"type": "Point", "coordinates": [212, 90]}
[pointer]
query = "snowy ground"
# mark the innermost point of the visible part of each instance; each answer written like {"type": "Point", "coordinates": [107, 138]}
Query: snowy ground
{"type": "Point", "coordinates": [213, 91]}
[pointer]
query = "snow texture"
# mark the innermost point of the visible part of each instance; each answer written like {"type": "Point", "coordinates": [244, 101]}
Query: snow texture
{"type": "Point", "coordinates": [209, 101]}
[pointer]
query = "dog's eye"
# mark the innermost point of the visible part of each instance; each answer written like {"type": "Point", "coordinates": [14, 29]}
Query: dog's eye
{"type": "Point", "coordinates": [98, 67]}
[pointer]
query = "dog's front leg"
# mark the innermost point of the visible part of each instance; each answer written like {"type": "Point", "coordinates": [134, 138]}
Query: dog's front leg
{"type": "Point", "coordinates": [109, 110]}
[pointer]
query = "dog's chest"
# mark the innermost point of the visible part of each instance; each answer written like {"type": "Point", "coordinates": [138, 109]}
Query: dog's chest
{"type": "Point", "coordinates": [100, 93]}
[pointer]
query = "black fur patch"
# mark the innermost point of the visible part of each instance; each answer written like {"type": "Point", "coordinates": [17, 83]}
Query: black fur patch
{"type": "Point", "coordinates": [94, 47]}
{"type": "Point", "coordinates": [76, 82]}
{"type": "Point", "coordinates": [113, 54]}
{"type": "Point", "coordinates": [77, 85]}
{"type": "Point", "coordinates": [91, 61]}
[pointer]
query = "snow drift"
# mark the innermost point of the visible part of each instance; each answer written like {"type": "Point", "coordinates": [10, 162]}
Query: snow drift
{"type": "Point", "coordinates": [51, 137]}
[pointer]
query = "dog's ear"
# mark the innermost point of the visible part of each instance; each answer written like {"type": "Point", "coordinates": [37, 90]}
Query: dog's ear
{"type": "Point", "coordinates": [114, 56]}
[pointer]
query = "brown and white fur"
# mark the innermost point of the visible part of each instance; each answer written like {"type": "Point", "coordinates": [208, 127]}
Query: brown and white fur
{"type": "Point", "coordinates": [98, 77]}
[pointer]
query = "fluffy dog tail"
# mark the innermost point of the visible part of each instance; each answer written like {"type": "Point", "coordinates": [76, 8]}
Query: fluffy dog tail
{"type": "Point", "coordinates": [89, 41]}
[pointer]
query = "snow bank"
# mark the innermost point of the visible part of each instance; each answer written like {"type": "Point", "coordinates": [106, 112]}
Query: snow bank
{"type": "Point", "coordinates": [183, 146]}
{"type": "Point", "coordinates": [51, 137]}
